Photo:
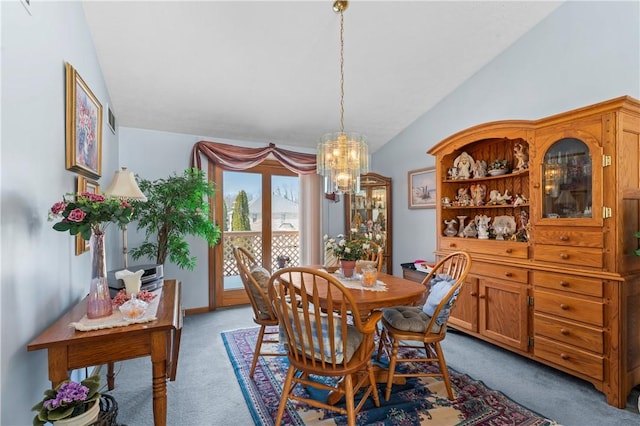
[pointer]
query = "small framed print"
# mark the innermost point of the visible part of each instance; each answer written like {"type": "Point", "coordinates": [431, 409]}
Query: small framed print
{"type": "Point", "coordinates": [422, 188]}
{"type": "Point", "coordinates": [85, 185]}
{"type": "Point", "coordinates": [111, 119]}
{"type": "Point", "coordinates": [83, 127]}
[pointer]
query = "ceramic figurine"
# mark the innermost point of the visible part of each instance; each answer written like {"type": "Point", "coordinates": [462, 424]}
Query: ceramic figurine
{"type": "Point", "coordinates": [132, 280]}
{"type": "Point", "coordinates": [521, 152]}
{"type": "Point", "coordinates": [465, 164]}
{"type": "Point", "coordinates": [482, 224]}
{"type": "Point", "coordinates": [480, 170]}
{"type": "Point", "coordinates": [450, 230]}
{"type": "Point", "coordinates": [495, 198]}
{"type": "Point", "coordinates": [470, 231]}
{"type": "Point", "coordinates": [478, 192]}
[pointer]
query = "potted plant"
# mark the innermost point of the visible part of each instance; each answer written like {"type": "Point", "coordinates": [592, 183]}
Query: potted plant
{"type": "Point", "coordinates": [70, 403]}
{"type": "Point", "coordinates": [283, 260]}
{"type": "Point", "coordinates": [347, 251]}
{"type": "Point", "coordinates": [176, 207]}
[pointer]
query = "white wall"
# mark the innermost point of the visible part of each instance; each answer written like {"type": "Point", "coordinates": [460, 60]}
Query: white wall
{"type": "Point", "coordinates": [41, 276]}
{"type": "Point", "coordinates": [584, 53]}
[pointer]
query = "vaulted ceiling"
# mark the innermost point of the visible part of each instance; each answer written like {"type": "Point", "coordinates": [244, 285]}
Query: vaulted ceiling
{"type": "Point", "coordinates": [269, 71]}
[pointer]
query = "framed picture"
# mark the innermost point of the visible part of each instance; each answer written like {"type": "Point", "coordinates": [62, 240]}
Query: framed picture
{"type": "Point", "coordinates": [111, 119]}
{"type": "Point", "coordinates": [422, 188]}
{"type": "Point", "coordinates": [84, 127]}
{"type": "Point", "coordinates": [85, 185]}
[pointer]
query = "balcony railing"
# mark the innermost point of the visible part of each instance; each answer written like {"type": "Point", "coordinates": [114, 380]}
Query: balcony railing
{"type": "Point", "coordinates": [286, 243]}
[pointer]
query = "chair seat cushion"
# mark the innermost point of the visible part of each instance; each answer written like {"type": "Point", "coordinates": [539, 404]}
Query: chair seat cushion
{"type": "Point", "coordinates": [261, 276]}
{"type": "Point", "coordinates": [408, 318]}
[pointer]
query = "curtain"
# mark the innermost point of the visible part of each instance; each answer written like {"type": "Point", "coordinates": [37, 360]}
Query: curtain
{"type": "Point", "coordinates": [238, 158]}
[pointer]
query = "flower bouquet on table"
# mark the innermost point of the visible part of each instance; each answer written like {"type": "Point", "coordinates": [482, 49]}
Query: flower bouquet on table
{"type": "Point", "coordinates": [69, 399]}
{"type": "Point", "coordinates": [346, 251]}
{"type": "Point", "coordinates": [81, 214]}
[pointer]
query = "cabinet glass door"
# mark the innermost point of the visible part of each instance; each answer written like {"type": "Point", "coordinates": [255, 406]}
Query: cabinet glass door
{"type": "Point", "coordinates": [367, 213]}
{"type": "Point", "coordinates": [567, 180]}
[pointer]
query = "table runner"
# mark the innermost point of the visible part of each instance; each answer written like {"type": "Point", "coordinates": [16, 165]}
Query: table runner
{"type": "Point", "coordinates": [116, 319]}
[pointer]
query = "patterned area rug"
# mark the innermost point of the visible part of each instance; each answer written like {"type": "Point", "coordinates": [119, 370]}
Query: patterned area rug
{"type": "Point", "coordinates": [421, 401]}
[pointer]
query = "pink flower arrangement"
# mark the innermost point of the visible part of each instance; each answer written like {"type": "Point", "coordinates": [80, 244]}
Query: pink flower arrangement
{"type": "Point", "coordinates": [86, 212]}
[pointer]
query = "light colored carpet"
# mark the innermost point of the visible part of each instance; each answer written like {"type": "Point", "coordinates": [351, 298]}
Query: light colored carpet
{"type": "Point", "coordinates": [206, 391]}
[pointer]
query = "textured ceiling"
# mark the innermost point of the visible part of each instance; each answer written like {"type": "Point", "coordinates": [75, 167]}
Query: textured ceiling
{"type": "Point", "coordinates": [269, 71]}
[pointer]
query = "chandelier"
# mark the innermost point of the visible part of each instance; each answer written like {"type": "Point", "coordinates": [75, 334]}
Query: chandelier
{"type": "Point", "coordinates": [342, 157]}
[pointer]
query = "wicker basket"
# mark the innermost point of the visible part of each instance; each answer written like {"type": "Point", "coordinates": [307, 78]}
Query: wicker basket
{"type": "Point", "coordinates": [108, 412]}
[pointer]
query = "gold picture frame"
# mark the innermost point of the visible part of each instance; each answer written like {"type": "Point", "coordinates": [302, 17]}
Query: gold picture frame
{"type": "Point", "coordinates": [85, 185]}
{"type": "Point", "coordinates": [83, 127]}
{"type": "Point", "coordinates": [422, 188]}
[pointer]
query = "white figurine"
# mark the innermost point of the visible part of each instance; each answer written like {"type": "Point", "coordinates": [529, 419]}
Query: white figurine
{"type": "Point", "coordinates": [482, 224]}
{"type": "Point", "coordinates": [521, 152]}
{"type": "Point", "coordinates": [480, 170]}
{"type": "Point", "coordinates": [465, 164]}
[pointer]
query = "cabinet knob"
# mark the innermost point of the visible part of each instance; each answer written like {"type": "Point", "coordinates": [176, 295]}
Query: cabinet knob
{"type": "Point", "coordinates": [482, 296]}
{"type": "Point", "coordinates": [473, 294]}
{"type": "Point", "coordinates": [564, 284]}
{"type": "Point", "coordinates": [452, 245]}
{"type": "Point", "coordinates": [564, 238]}
{"type": "Point", "coordinates": [509, 251]}
{"type": "Point", "coordinates": [564, 256]}
{"type": "Point", "coordinates": [536, 185]}
{"type": "Point", "coordinates": [564, 331]}
{"type": "Point", "coordinates": [508, 274]}
{"type": "Point", "coordinates": [564, 307]}
{"type": "Point", "coordinates": [564, 356]}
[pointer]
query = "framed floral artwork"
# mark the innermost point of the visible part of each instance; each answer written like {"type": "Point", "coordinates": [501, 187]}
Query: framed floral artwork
{"type": "Point", "coordinates": [85, 185]}
{"type": "Point", "coordinates": [83, 127]}
{"type": "Point", "coordinates": [422, 188]}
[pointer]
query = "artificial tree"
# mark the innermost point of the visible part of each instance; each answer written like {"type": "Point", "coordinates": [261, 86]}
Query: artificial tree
{"type": "Point", "coordinates": [176, 207]}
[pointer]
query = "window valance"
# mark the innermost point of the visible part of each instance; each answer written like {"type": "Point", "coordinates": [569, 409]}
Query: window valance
{"type": "Point", "coordinates": [237, 158]}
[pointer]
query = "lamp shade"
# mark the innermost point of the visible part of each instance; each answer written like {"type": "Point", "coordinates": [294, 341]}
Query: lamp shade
{"type": "Point", "coordinates": [124, 186]}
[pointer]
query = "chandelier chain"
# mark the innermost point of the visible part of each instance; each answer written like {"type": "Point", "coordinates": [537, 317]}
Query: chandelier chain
{"type": "Point", "coordinates": [341, 71]}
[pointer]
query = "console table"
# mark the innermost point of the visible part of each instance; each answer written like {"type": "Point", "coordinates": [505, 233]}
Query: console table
{"type": "Point", "coordinates": [69, 349]}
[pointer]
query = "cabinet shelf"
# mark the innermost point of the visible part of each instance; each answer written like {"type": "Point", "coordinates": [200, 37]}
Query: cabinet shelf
{"type": "Point", "coordinates": [487, 206]}
{"type": "Point", "coordinates": [507, 175]}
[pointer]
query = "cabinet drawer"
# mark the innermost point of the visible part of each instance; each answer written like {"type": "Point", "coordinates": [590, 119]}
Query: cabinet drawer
{"type": "Point", "coordinates": [580, 285]}
{"type": "Point", "coordinates": [569, 357]}
{"type": "Point", "coordinates": [511, 249]}
{"type": "Point", "coordinates": [588, 338]}
{"type": "Point", "coordinates": [499, 271]}
{"type": "Point", "coordinates": [591, 257]}
{"type": "Point", "coordinates": [564, 237]}
{"type": "Point", "coordinates": [573, 308]}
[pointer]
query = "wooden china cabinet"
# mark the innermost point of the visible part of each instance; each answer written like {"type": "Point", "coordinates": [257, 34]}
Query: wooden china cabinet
{"type": "Point", "coordinates": [559, 283]}
{"type": "Point", "coordinates": [370, 211]}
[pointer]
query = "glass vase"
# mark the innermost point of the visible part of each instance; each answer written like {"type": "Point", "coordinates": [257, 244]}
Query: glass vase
{"type": "Point", "coordinates": [99, 300]}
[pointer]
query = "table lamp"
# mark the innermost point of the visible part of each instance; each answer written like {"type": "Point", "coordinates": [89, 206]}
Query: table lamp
{"type": "Point", "coordinates": [124, 186]}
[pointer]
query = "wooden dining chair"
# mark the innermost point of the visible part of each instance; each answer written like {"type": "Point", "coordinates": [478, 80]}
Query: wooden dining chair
{"type": "Point", "coordinates": [375, 254]}
{"type": "Point", "coordinates": [255, 279]}
{"type": "Point", "coordinates": [424, 327]}
{"type": "Point", "coordinates": [321, 340]}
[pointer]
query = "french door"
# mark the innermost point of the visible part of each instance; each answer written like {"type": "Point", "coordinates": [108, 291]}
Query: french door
{"type": "Point", "coordinates": [257, 209]}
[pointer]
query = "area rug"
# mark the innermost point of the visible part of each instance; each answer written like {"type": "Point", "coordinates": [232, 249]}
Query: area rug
{"type": "Point", "coordinates": [421, 401]}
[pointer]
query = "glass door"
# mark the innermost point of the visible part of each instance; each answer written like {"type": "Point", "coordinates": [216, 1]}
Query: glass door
{"type": "Point", "coordinates": [259, 211]}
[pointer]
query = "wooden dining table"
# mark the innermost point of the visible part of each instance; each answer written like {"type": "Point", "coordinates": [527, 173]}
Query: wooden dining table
{"type": "Point", "coordinates": [398, 291]}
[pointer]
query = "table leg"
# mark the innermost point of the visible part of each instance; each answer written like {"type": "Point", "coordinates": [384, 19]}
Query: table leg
{"type": "Point", "coordinates": [111, 377]}
{"type": "Point", "coordinates": [58, 361]}
{"type": "Point", "coordinates": [159, 369]}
